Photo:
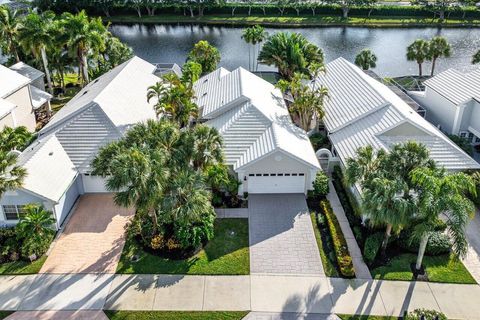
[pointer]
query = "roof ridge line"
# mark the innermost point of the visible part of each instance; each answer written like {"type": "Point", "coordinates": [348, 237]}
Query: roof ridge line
{"type": "Point", "coordinates": [364, 115]}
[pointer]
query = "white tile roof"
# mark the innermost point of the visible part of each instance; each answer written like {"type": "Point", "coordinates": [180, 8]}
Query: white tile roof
{"type": "Point", "coordinates": [5, 108]}
{"type": "Point", "coordinates": [456, 86]}
{"type": "Point", "coordinates": [49, 169]}
{"type": "Point", "coordinates": [98, 114]}
{"type": "Point", "coordinates": [11, 81]}
{"type": "Point", "coordinates": [386, 121]}
{"type": "Point", "coordinates": [39, 97]}
{"type": "Point", "coordinates": [27, 71]}
{"type": "Point", "coordinates": [252, 117]}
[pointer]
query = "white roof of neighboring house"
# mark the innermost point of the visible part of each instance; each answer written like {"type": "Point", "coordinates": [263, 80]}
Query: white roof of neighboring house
{"type": "Point", "coordinates": [456, 86]}
{"type": "Point", "coordinates": [5, 107]}
{"type": "Point", "coordinates": [11, 81]}
{"type": "Point", "coordinates": [39, 97]}
{"type": "Point", "coordinates": [252, 117]}
{"type": "Point", "coordinates": [27, 71]}
{"type": "Point", "coordinates": [50, 170]}
{"type": "Point", "coordinates": [361, 111]}
{"type": "Point", "coordinates": [98, 114]}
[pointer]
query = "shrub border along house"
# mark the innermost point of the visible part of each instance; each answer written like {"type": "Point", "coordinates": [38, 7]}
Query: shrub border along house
{"type": "Point", "coordinates": [344, 259]}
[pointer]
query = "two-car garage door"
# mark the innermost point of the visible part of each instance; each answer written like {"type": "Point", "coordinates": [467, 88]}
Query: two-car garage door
{"type": "Point", "coordinates": [276, 183]}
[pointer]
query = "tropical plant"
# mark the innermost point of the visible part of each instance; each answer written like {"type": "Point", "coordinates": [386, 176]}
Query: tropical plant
{"type": "Point", "coordinates": [320, 184]}
{"type": "Point", "coordinates": [291, 53]}
{"type": "Point", "coordinates": [206, 55]}
{"type": "Point", "coordinates": [11, 174]}
{"type": "Point", "coordinates": [85, 37]}
{"type": "Point", "coordinates": [37, 34]}
{"type": "Point", "coordinates": [425, 314]}
{"type": "Point", "coordinates": [207, 147]}
{"type": "Point", "coordinates": [115, 53]}
{"type": "Point", "coordinates": [418, 51]}
{"type": "Point", "coordinates": [191, 72]}
{"type": "Point", "coordinates": [442, 194]}
{"type": "Point", "coordinates": [9, 24]}
{"type": "Point", "coordinates": [14, 138]}
{"type": "Point", "coordinates": [366, 59]}
{"type": "Point", "coordinates": [476, 57]}
{"type": "Point", "coordinates": [247, 36]}
{"type": "Point", "coordinates": [438, 47]}
{"type": "Point", "coordinates": [174, 99]}
{"type": "Point", "coordinates": [36, 227]}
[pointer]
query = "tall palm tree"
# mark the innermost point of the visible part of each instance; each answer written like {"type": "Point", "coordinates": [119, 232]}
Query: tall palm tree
{"type": "Point", "coordinates": [366, 163]}
{"type": "Point", "coordinates": [207, 147]}
{"type": "Point", "coordinates": [247, 36]}
{"type": "Point", "coordinates": [11, 174]}
{"type": "Point", "coordinates": [9, 23]}
{"type": "Point", "coordinates": [259, 36]}
{"type": "Point", "coordinates": [366, 59]}
{"type": "Point", "coordinates": [36, 34]}
{"type": "Point", "coordinates": [309, 105]}
{"type": "Point", "coordinates": [418, 51]}
{"type": "Point", "coordinates": [438, 47]}
{"type": "Point", "coordinates": [443, 194]}
{"type": "Point", "coordinates": [476, 57]}
{"type": "Point", "coordinates": [85, 37]}
{"type": "Point", "coordinates": [290, 53]}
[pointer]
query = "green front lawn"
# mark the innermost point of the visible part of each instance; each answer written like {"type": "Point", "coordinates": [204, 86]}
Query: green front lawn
{"type": "Point", "coordinates": [226, 253]}
{"type": "Point", "coordinates": [4, 314]}
{"type": "Point", "coordinates": [22, 267]}
{"type": "Point", "coordinates": [439, 269]}
{"type": "Point", "coordinates": [174, 315]}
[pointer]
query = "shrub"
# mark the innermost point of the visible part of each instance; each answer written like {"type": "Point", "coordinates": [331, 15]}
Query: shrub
{"type": "Point", "coordinates": [319, 141]}
{"type": "Point", "coordinates": [463, 143]}
{"type": "Point", "coordinates": [9, 245]}
{"type": "Point", "coordinates": [438, 243]}
{"type": "Point", "coordinates": [372, 246]}
{"type": "Point", "coordinates": [424, 314]}
{"type": "Point", "coordinates": [320, 185]}
{"type": "Point", "coordinates": [343, 257]}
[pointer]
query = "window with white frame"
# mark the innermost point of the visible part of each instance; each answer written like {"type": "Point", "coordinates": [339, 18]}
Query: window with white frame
{"type": "Point", "coordinates": [13, 212]}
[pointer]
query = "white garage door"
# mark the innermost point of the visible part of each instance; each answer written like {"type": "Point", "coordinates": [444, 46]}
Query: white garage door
{"type": "Point", "coordinates": [276, 183]}
{"type": "Point", "coordinates": [93, 184]}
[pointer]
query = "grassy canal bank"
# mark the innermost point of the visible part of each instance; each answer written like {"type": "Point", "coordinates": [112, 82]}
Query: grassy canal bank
{"type": "Point", "coordinates": [296, 21]}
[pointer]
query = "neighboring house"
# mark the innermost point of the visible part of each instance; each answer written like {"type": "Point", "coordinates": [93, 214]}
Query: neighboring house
{"type": "Point", "coordinates": [262, 145]}
{"type": "Point", "coordinates": [452, 100]}
{"type": "Point", "coordinates": [361, 111]}
{"type": "Point", "coordinates": [58, 162]}
{"type": "Point", "coordinates": [20, 96]}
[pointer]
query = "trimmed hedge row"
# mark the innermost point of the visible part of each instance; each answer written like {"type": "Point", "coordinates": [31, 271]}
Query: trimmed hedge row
{"type": "Point", "coordinates": [344, 259]}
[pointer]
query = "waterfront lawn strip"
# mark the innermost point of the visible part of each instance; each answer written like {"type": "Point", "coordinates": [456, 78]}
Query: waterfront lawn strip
{"type": "Point", "coordinates": [174, 315]}
{"type": "Point", "coordinates": [443, 268]}
{"type": "Point", "coordinates": [226, 254]}
{"type": "Point", "coordinates": [293, 20]}
{"type": "Point", "coordinates": [22, 267]}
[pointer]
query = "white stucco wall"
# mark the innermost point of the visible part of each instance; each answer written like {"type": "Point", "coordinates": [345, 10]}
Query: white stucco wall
{"type": "Point", "coordinates": [7, 121]}
{"type": "Point", "coordinates": [475, 116]}
{"type": "Point", "coordinates": [20, 197]}
{"type": "Point", "coordinates": [23, 113]}
{"type": "Point", "coordinates": [439, 110]}
{"type": "Point", "coordinates": [277, 162]}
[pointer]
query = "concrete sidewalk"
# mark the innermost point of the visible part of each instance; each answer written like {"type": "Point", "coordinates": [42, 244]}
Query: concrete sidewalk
{"type": "Point", "coordinates": [263, 294]}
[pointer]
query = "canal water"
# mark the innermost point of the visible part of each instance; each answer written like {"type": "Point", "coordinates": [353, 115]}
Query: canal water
{"type": "Point", "coordinates": [171, 43]}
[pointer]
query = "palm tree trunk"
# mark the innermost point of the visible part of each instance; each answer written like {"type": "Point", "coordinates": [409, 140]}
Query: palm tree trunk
{"type": "Point", "coordinates": [85, 69]}
{"type": "Point", "coordinates": [249, 57]}
{"type": "Point", "coordinates": [420, 69]}
{"type": "Point", "coordinates": [433, 66]}
{"type": "Point", "coordinates": [421, 251]}
{"type": "Point", "coordinates": [388, 232]}
{"type": "Point", "coordinates": [47, 72]}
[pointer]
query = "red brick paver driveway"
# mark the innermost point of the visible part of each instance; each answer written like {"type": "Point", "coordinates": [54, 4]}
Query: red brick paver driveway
{"type": "Point", "coordinates": [93, 239]}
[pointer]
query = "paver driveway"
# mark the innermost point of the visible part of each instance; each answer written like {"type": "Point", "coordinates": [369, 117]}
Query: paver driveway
{"type": "Point", "coordinates": [93, 239]}
{"type": "Point", "coordinates": [281, 235]}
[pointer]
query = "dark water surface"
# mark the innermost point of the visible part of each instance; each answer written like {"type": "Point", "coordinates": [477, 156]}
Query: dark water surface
{"type": "Point", "coordinates": [170, 43]}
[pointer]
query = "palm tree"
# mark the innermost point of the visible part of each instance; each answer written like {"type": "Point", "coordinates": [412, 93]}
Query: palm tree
{"type": "Point", "coordinates": [36, 34]}
{"type": "Point", "coordinates": [14, 138]}
{"type": "Point", "coordinates": [366, 162]}
{"type": "Point", "coordinates": [247, 35]}
{"type": "Point", "coordinates": [443, 194]}
{"type": "Point", "coordinates": [438, 47]}
{"type": "Point", "coordinates": [9, 23]}
{"type": "Point", "coordinates": [418, 51]}
{"type": "Point", "coordinates": [366, 59]}
{"type": "Point", "coordinates": [259, 35]}
{"type": "Point", "coordinates": [84, 36]}
{"type": "Point", "coordinates": [309, 105]}
{"type": "Point", "coordinates": [207, 147]}
{"type": "Point", "coordinates": [290, 53]}
{"type": "Point", "coordinates": [11, 175]}
{"type": "Point", "coordinates": [476, 58]}
{"type": "Point", "coordinates": [36, 222]}
{"type": "Point", "coordinates": [206, 55]}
